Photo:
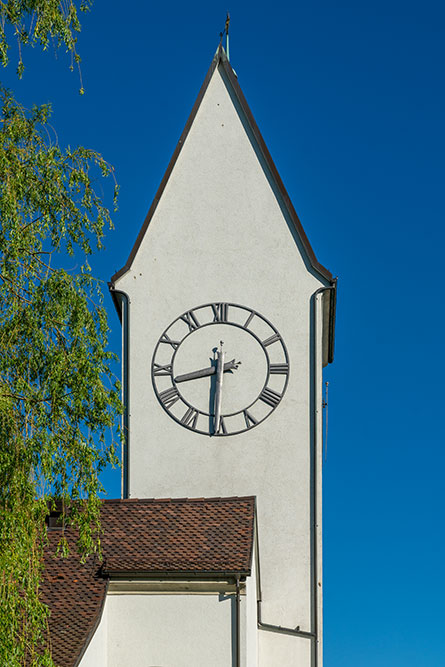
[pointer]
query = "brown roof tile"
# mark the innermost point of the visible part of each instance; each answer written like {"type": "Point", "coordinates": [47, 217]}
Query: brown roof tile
{"type": "Point", "coordinates": [200, 535]}
{"type": "Point", "coordinates": [142, 537]}
{"type": "Point", "coordinates": [75, 594]}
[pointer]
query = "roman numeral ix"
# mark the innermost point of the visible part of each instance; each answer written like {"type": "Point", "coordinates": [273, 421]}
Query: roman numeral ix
{"type": "Point", "coordinates": [162, 371]}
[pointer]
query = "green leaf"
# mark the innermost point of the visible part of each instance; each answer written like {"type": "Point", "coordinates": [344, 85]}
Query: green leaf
{"type": "Point", "coordinates": [59, 399]}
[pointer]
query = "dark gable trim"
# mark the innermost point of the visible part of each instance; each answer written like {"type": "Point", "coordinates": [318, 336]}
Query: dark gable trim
{"type": "Point", "coordinates": [92, 632]}
{"type": "Point", "coordinates": [220, 57]}
{"type": "Point", "coordinates": [270, 163]}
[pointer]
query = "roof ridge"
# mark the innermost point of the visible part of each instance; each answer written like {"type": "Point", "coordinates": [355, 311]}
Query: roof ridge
{"type": "Point", "coordinates": [202, 499]}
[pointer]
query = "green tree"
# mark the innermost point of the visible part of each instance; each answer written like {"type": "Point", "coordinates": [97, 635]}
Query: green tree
{"type": "Point", "coordinates": [58, 397]}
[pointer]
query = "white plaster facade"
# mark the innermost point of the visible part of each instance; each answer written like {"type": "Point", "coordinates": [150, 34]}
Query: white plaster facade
{"type": "Point", "coordinates": [222, 231]}
{"type": "Point", "coordinates": [155, 624]}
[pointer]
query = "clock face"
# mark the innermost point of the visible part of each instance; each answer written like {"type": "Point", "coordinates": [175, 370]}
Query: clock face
{"type": "Point", "coordinates": [220, 369]}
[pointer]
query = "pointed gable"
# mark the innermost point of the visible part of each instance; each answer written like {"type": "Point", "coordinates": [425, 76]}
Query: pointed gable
{"type": "Point", "coordinates": [223, 148]}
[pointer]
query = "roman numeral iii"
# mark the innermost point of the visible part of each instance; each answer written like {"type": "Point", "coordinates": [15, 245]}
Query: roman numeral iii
{"type": "Point", "coordinates": [279, 369]}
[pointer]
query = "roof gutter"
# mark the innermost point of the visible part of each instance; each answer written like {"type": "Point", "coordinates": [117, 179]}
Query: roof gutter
{"type": "Point", "coordinates": [177, 574]}
{"type": "Point", "coordinates": [121, 301]}
{"type": "Point", "coordinates": [332, 315]}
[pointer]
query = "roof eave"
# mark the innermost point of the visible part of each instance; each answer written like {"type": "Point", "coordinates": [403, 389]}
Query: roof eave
{"type": "Point", "coordinates": [176, 574]}
{"type": "Point", "coordinates": [93, 629]}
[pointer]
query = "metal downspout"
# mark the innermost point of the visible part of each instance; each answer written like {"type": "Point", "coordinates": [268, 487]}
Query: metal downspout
{"type": "Point", "coordinates": [122, 303]}
{"type": "Point", "coordinates": [238, 623]}
{"type": "Point", "coordinates": [318, 443]}
{"type": "Point", "coordinates": [281, 628]}
{"type": "Point", "coordinates": [313, 636]}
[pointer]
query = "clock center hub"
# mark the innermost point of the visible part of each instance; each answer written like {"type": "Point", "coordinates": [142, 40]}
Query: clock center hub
{"type": "Point", "coordinates": [241, 385]}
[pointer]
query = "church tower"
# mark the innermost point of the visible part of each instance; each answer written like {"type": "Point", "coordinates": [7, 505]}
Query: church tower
{"type": "Point", "coordinates": [228, 320]}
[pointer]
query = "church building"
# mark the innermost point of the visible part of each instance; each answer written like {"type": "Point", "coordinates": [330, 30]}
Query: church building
{"type": "Point", "coordinates": [213, 555]}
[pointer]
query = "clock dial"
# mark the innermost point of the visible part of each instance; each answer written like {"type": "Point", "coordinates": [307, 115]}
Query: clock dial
{"type": "Point", "coordinates": [220, 369]}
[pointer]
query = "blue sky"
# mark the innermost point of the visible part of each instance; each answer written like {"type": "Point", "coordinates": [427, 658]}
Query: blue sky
{"type": "Point", "coordinates": [350, 100]}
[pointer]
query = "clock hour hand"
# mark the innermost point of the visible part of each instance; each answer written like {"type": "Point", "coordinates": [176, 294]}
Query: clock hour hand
{"type": "Point", "coordinates": [218, 389]}
{"type": "Point", "coordinates": [204, 372]}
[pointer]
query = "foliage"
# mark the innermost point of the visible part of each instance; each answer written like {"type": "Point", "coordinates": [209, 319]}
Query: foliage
{"type": "Point", "coordinates": [58, 397]}
{"type": "Point", "coordinates": [39, 22]}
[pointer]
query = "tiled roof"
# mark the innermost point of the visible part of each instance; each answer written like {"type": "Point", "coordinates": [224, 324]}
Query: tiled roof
{"type": "Point", "coordinates": [142, 537]}
{"type": "Point", "coordinates": [75, 594]}
{"type": "Point", "coordinates": [205, 535]}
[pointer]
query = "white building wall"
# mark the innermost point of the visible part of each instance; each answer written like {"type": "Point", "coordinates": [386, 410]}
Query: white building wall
{"type": "Point", "coordinates": [219, 233]}
{"type": "Point", "coordinates": [279, 650]}
{"type": "Point", "coordinates": [251, 635]}
{"type": "Point", "coordinates": [148, 630]}
{"type": "Point", "coordinates": [96, 654]}
{"type": "Point", "coordinates": [181, 629]}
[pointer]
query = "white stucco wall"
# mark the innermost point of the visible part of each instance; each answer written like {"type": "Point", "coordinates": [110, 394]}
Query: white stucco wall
{"type": "Point", "coordinates": [96, 654]}
{"type": "Point", "coordinates": [220, 234]}
{"type": "Point", "coordinates": [163, 630]}
{"type": "Point", "coordinates": [251, 635]}
{"type": "Point", "coordinates": [143, 628]}
{"type": "Point", "coordinates": [279, 650]}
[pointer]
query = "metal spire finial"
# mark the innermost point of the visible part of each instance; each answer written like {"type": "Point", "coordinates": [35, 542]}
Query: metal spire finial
{"type": "Point", "coordinates": [226, 30]}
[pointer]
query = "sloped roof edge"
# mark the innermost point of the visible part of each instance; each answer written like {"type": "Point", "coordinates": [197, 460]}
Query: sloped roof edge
{"type": "Point", "coordinates": [221, 58]}
{"type": "Point", "coordinates": [92, 632]}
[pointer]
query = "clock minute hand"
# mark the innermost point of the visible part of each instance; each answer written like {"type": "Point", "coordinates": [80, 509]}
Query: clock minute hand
{"type": "Point", "coordinates": [204, 372]}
